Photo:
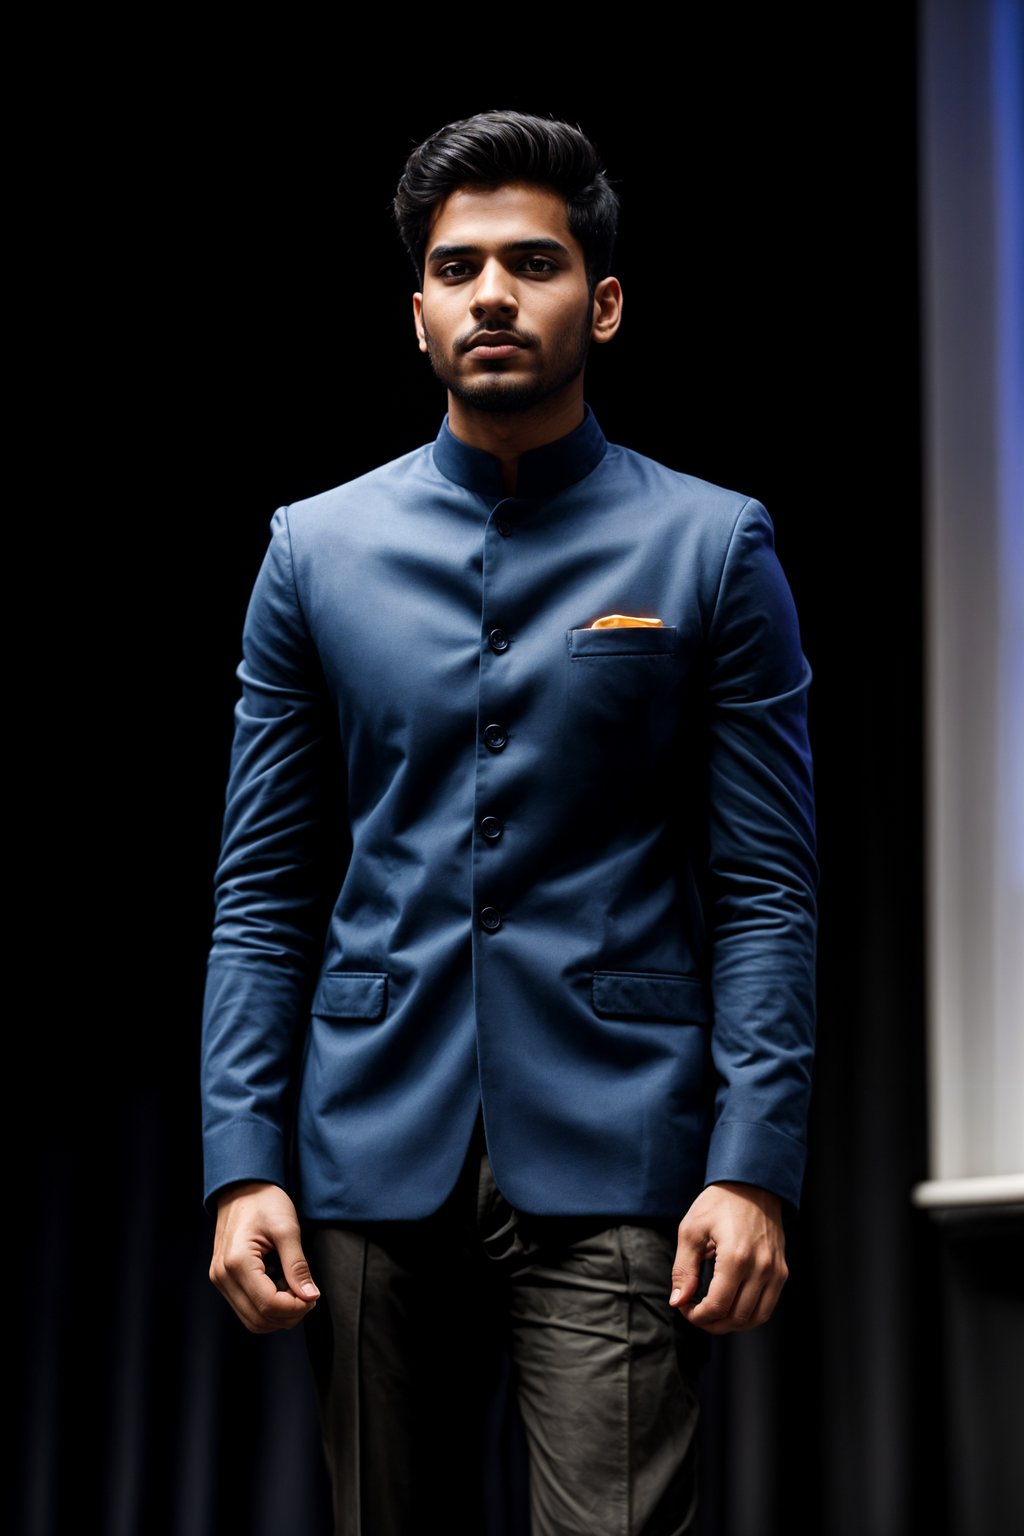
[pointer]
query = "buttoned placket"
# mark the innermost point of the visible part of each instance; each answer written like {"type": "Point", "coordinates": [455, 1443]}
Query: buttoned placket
{"type": "Point", "coordinates": [543, 472]}
{"type": "Point", "coordinates": [496, 754]}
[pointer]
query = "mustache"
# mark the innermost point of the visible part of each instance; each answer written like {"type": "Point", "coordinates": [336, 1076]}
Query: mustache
{"type": "Point", "coordinates": [481, 332]}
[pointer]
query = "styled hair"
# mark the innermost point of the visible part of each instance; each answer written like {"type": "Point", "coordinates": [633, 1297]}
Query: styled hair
{"type": "Point", "coordinates": [492, 148]}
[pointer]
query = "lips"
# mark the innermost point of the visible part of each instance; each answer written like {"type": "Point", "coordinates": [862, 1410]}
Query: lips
{"type": "Point", "coordinates": [495, 344]}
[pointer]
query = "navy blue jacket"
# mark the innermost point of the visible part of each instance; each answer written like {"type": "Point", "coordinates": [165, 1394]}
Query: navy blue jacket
{"type": "Point", "coordinates": [476, 851]}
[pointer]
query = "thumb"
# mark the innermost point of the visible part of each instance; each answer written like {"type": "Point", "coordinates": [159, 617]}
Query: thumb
{"type": "Point", "coordinates": [295, 1269]}
{"type": "Point", "coordinates": [691, 1252]}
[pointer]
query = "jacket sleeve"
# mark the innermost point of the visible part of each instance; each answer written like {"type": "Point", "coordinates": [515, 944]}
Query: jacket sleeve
{"type": "Point", "coordinates": [762, 870]}
{"type": "Point", "coordinates": [279, 842]}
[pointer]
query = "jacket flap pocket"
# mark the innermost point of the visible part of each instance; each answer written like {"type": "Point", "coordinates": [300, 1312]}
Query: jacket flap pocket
{"type": "Point", "coordinates": [351, 995]}
{"type": "Point", "coordinates": [649, 995]}
{"type": "Point", "coordinates": [641, 641]}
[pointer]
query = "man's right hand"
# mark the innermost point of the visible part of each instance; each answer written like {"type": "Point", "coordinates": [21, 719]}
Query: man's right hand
{"type": "Point", "coordinates": [253, 1220]}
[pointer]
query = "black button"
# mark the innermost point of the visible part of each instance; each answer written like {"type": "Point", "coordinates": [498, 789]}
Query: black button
{"type": "Point", "coordinates": [491, 828]}
{"type": "Point", "coordinates": [490, 919]}
{"type": "Point", "coordinates": [495, 736]}
{"type": "Point", "coordinates": [498, 639]}
{"type": "Point", "coordinates": [504, 527]}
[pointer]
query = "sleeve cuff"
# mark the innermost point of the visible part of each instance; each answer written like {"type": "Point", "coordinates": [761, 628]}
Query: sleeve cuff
{"type": "Point", "coordinates": [758, 1154]}
{"type": "Point", "coordinates": [245, 1149]}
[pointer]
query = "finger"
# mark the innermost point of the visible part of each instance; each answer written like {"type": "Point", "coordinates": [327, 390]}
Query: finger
{"type": "Point", "coordinates": [741, 1314]}
{"type": "Point", "coordinates": [746, 1304]}
{"type": "Point", "coordinates": [267, 1311]}
{"type": "Point", "coordinates": [712, 1311]}
{"type": "Point", "coordinates": [770, 1294]}
{"type": "Point", "coordinates": [254, 1296]}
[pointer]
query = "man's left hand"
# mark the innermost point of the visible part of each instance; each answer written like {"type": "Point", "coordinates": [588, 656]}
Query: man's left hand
{"type": "Point", "coordinates": [739, 1227]}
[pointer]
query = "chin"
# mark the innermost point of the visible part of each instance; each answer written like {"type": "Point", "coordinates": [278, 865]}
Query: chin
{"type": "Point", "coordinates": [504, 394]}
{"type": "Point", "coordinates": [496, 397]}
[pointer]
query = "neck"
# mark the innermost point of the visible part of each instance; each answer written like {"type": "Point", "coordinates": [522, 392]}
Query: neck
{"type": "Point", "coordinates": [509, 436]}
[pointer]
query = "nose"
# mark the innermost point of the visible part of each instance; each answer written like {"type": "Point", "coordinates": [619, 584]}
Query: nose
{"type": "Point", "coordinates": [494, 291]}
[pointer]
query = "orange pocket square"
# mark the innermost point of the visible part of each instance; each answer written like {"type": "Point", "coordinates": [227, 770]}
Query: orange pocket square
{"type": "Point", "coordinates": [624, 621]}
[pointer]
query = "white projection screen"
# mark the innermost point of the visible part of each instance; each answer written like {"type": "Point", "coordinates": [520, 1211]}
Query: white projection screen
{"type": "Point", "coordinates": [972, 274]}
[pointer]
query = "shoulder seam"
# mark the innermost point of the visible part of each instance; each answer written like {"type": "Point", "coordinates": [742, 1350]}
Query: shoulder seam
{"type": "Point", "coordinates": [291, 567]}
{"type": "Point", "coordinates": [751, 501]}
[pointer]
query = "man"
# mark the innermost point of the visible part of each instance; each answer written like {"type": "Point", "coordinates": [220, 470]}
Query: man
{"type": "Point", "coordinates": [509, 1017]}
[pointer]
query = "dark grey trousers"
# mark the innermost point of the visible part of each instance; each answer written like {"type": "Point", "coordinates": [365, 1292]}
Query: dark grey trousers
{"type": "Point", "coordinates": [406, 1345]}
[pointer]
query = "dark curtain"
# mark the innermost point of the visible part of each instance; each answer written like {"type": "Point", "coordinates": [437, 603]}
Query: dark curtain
{"type": "Point", "coordinates": [242, 337]}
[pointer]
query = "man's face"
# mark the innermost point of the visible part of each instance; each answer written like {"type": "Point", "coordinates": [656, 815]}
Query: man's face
{"type": "Point", "coordinates": [505, 315]}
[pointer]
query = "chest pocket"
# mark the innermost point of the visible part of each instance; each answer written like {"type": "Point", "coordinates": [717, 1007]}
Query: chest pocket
{"type": "Point", "coordinates": [603, 644]}
{"type": "Point", "coordinates": [625, 692]}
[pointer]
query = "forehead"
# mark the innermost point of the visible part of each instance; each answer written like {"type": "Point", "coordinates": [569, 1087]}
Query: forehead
{"type": "Point", "coordinates": [514, 211]}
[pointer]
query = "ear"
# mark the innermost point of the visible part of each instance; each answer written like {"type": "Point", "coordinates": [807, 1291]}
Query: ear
{"type": "Point", "coordinates": [417, 310]}
{"type": "Point", "coordinates": [607, 309]}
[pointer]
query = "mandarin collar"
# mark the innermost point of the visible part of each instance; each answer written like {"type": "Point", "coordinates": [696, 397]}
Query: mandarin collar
{"type": "Point", "coordinates": [542, 471]}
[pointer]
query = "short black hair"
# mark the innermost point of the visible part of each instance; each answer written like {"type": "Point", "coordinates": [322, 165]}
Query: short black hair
{"type": "Point", "coordinates": [492, 148]}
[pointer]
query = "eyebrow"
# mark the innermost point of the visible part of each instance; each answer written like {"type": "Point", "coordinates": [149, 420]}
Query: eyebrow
{"type": "Point", "coordinates": [542, 243]}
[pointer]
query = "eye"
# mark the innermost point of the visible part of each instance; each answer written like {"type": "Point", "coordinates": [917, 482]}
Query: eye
{"type": "Point", "coordinates": [539, 266]}
{"type": "Point", "coordinates": [453, 271]}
